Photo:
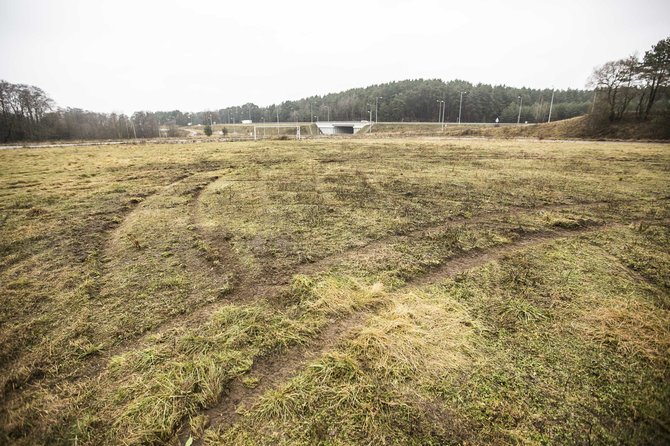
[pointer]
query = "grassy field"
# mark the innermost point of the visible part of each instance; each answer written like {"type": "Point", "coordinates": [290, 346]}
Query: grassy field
{"type": "Point", "coordinates": [336, 292]}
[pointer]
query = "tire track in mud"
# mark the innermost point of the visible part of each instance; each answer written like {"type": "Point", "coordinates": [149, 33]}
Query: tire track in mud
{"type": "Point", "coordinates": [94, 291]}
{"type": "Point", "coordinates": [92, 365]}
{"type": "Point", "coordinates": [252, 288]}
{"type": "Point", "coordinates": [245, 287]}
{"type": "Point", "coordinates": [114, 252]}
{"type": "Point", "coordinates": [279, 367]}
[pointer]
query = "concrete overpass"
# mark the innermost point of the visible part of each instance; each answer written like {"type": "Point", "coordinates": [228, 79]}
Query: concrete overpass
{"type": "Point", "coordinates": [340, 127]}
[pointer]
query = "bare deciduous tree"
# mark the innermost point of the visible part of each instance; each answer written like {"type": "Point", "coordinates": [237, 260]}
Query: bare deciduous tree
{"type": "Point", "coordinates": [617, 80]}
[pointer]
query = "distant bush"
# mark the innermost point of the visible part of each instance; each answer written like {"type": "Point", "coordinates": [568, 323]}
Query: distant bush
{"type": "Point", "coordinates": [208, 130]}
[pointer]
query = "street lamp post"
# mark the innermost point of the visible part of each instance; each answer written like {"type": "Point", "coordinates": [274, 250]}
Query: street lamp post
{"type": "Point", "coordinates": [370, 113]}
{"type": "Point", "coordinates": [443, 107]}
{"type": "Point", "coordinates": [551, 105]}
{"type": "Point", "coordinates": [460, 106]}
{"type": "Point", "coordinates": [518, 118]}
{"type": "Point", "coordinates": [377, 108]}
{"type": "Point", "coordinates": [444, 114]}
{"type": "Point", "coordinates": [328, 110]}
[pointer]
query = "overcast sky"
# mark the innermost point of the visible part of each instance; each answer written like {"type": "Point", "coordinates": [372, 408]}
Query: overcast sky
{"type": "Point", "coordinates": [121, 55]}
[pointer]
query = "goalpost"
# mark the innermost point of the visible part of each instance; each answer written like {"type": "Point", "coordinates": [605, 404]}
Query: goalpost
{"type": "Point", "coordinates": [264, 134]}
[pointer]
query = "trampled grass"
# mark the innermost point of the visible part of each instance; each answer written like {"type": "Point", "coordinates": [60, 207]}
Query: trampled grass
{"type": "Point", "coordinates": [354, 291]}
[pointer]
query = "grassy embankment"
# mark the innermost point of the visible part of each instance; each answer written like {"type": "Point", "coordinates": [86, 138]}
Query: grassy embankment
{"type": "Point", "coordinates": [336, 292]}
{"type": "Point", "coordinates": [575, 128]}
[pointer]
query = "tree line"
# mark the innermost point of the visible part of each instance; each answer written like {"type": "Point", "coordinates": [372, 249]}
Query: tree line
{"type": "Point", "coordinates": [408, 101]}
{"type": "Point", "coordinates": [633, 87]}
{"type": "Point", "coordinates": [28, 114]}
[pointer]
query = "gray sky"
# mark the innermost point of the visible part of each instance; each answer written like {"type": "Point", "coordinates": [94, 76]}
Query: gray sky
{"type": "Point", "coordinates": [121, 55]}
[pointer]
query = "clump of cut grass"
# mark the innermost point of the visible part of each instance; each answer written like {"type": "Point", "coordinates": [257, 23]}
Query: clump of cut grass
{"type": "Point", "coordinates": [517, 309]}
{"type": "Point", "coordinates": [403, 339]}
{"type": "Point", "coordinates": [632, 327]}
{"type": "Point", "coordinates": [334, 295]}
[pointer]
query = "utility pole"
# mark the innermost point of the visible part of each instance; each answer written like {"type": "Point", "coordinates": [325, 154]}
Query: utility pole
{"type": "Point", "coordinates": [518, 118]}
{"type": "Point", "coordinates": [328, 109]}
{"type": "Point", "coordinates": [370, 112]}
{"type": "Point", "coordinates": [277, 109]}
{"type": "Point", "coordinates": [460, 106]}
{"type": "Point", "coordinates": [311, 113]}
{"type": "Point", "coordinates": [551, 105]}
{"type": "Point", "coordinates": [377, 108]}
{"type": "Point", "coordinates": [444, 112]}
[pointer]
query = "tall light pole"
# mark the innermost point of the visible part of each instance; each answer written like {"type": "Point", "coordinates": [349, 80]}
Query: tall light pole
{"type": "Point", "coordinates": [551, 105]}
{"type": "Point", "coordinates": [460, 106]}
{"type": "Point", "coordinates": [444, 113]}
{"type": "Point", "coordinates": [518, 118]}
{"type": "Point", "coordinates": [377, 108]}
{"type": "Point", "coordinates": [311, 113]}
{"type": "Point", "coordinates": [443, 108]}
{"type": "Point", "coordinates": [328, 109]}
{"type": "Point", "coordinates": [370, 113]}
